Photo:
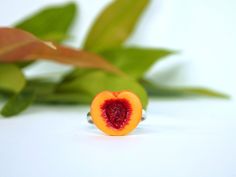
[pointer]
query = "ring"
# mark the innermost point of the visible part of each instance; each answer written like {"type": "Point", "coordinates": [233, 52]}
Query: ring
{"type": "Point", "coordinates": [116, 113]}
{"type": "Point", "coordinates": [89, 119]}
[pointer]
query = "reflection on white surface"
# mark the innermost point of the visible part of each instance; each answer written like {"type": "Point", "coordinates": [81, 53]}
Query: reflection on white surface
{"type": "Point", "coordinates": [179, 139]}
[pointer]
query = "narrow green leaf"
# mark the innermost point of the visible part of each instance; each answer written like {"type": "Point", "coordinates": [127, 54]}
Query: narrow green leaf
{"type": "Point", "coordinates": [51, 23]}
{"type": "Point", "coordinates": [41, 87]}
{"type": "Point", "coordinates": [65, 98]}
{"type": "Point", "coordinates": [17, 104]}
{"type": "Point", "coordinates": [114, 25]}
{"type": "Point", "coordinates": [45, 93]}
{"type": "Point", "coordinates": [163, 91]}
{"type": "Point", "coordinates": [89, 82]}
{"type": "Point", "coordinates": [135, 61]}
{"type": "Point", "coordinates": [11, 78]}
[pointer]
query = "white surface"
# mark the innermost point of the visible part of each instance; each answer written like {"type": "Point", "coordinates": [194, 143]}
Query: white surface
{"type": "Point", "coordinates": [179, 139]}
{"type": "Point", "coordinates": [203, 30]}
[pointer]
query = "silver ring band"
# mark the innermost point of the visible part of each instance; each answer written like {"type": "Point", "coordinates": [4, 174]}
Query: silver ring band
{"type": "Point", "coordinates": [89, 119]}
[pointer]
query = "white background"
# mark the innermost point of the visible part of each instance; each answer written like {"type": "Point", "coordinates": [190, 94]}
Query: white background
{"type": "Point", "coordinates": [202, 30]}
{"type": "Point", "coordinates": [180, 138]}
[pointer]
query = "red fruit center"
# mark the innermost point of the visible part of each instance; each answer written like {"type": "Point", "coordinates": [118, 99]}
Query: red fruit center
{"type": "Point", "coordinates": [116, 112]}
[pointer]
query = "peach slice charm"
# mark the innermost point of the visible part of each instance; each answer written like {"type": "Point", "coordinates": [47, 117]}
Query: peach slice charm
{"type": "Point", "coordinates": [116, 113]}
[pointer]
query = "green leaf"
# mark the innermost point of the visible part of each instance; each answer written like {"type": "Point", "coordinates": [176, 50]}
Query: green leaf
{"type": "Point", "coordinates": [114, 25]}
{"type": "Point", "coordinates": [51, 23]}
{"type": "Point", "coordinates": [65, 98]}
{"type": "Point", "coordinates": [11, 78]}
{"type": "Point", "coordinates": [1, 96]}
{"type": "Point", "coordinates": [163, 91]}
{"type": "Point", "coordinates": [135, 61]}
{"type": "Point", "coordinates": [45, 93]}
{"type": "Point", "coordinates": [23, 64]}
{"type": "Point", "coordinates": [17, 104]}
{"type": "Point", "coordinates": [88, 83]}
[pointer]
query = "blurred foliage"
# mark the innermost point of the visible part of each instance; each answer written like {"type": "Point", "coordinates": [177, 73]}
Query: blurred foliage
{"type": "Point", "coordinates": [121, 67]}
{"type": "Point", "coordinates": [11, 78]}
{"type": "Point", "coordinates": [114, 25]}
{"type": "Point", "coordinates": [52, 23]}
{"type": "Point", "coordinates": [135, 61]}
{"type": "Point", "coordinates": [164, 91]}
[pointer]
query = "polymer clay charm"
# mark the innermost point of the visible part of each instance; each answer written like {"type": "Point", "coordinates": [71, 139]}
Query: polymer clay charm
{"type": "Point", "coordinates": [116, 113]}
